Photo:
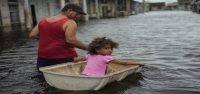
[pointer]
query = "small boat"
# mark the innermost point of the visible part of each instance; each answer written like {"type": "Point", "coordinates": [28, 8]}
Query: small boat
{"type": "Point", "coordinates": [67, 76]}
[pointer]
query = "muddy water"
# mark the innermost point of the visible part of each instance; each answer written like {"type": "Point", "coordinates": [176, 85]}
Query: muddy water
{"type": "Point", "coordinates": [167, 41]}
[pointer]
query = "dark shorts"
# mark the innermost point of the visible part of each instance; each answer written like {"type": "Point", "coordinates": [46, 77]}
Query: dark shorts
{"type": "Point", "coordinates": [42, 62]}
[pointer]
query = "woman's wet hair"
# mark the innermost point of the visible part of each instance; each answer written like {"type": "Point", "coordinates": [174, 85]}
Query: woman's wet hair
{"type": "Point", "coordinates": [100, 42]}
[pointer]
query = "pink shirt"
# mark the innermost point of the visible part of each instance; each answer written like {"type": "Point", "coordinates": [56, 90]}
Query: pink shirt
{"type": "Point", "coordinates": [96, 64]}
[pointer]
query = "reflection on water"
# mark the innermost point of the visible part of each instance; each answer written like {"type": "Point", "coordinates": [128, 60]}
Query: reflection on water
{"type": "Point", "coordinates": [167, 41]}
{"type": "Point", "coordinates": [14, 38]}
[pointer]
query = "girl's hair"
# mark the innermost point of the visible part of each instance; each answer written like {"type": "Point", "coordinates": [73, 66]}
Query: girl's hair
{"type": "Point", "coordinates": [100, 42]}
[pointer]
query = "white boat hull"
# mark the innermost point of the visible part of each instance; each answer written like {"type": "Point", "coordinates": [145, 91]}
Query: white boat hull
{"type": "Point", "coordinates": [67, 76]}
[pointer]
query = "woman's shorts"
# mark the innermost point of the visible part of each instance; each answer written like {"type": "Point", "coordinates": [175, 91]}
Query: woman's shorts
{"type": "Point", "coordinates": [42, 62]}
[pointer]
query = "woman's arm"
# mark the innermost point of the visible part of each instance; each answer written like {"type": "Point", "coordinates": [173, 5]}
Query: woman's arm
{"type": "Point", "coordinates": [79, 59]}
{"type": "Point", "coordinates": [35, 33]}
{"type": "Point", "coordinates": [126, 62]}
{"type": "Point", "coordinates": [70, 27]}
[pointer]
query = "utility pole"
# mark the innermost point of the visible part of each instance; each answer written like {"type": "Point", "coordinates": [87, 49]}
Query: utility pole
{"type": "Point", "coordinates": [116, 8]}
{"type": "Point", "coordinates": [27, 14]}
{"type": "Point", "coordinates": [85, 10]}
{"type": "Point", "coordinates": [62, 4]}
{"type": "Point", "coordinates": [97, 9]}
{"type": "Point", "coordinates": [143, 5]}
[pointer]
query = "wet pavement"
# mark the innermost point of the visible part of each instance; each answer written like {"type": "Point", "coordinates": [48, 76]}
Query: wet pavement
{"type": "Point", "coordinates": [168, 41]}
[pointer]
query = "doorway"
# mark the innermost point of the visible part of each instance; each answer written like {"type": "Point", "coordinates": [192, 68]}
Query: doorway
{"type": "Point", "coordinates": [14, 15]}
{"type": "Point", "coordinates": [105, 11]}
{"type": "Point", "coordinates": [33, 15]}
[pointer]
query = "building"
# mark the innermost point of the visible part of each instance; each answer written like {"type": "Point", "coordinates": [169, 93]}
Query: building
{"type": "Point", "coordinates": [184, 4]}
{"type": "Point", "coordinates": [16, 13]}
{"type": "Point", "coordinates": [172, 6]}
{"type": "Point", "coordinates": [135, 7]}
{"type": "Point", "coordinates": [1, 25]}
{"type": "Point", "coordinates": [195, 6]}
{"type": "Point", "coordinates": [146, 7]}
{"type": "Point", "coordinates": [108, 8]}
{"type": "Point", "coordinates": [11, 13]}
{"type": "Point", "coordinates": [157, 6]}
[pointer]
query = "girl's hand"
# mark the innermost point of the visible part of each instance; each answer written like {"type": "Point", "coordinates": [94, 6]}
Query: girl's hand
{"type": "Point", "coordinates": [141, 63]}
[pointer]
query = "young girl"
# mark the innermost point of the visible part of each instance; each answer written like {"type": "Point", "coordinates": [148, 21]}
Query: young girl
{"type": "Point", "coordinates": [99, 56]}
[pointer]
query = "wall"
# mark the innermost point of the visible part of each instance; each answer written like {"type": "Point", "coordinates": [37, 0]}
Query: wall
{"type": "Point", "coordinates": [128, 7]}
{"type": "Point", "coordinates": [5, 16]}
{"type": "Point", "coordinates": [21, 13]}
{"type": "Point", "coordinates": [44, 8]}
{"type": "Point", "coordinates": [1, 25]}
{"type": "Point", "coordinates": [5, 13]}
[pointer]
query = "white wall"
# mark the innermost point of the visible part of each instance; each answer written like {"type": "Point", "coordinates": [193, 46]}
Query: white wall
{"type": "Point", "coordinates": [5, 13]}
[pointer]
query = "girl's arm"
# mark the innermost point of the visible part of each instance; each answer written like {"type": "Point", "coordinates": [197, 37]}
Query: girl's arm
{"type": "Point", "coordinates": [126, 62]}
{"type": "Point", "coordinates": [79, 59]}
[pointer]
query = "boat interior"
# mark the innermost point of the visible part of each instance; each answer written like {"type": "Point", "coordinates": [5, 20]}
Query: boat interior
{"type": "Point", "coordinates": [77, 68]}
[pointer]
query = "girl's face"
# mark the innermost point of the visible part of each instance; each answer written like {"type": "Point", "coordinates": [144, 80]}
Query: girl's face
{"type": "Point", "coordinates": [107, 50]}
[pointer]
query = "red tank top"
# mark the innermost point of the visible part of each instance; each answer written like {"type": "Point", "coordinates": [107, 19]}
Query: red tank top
{"type": "Point", "coordinates": [52, 43]}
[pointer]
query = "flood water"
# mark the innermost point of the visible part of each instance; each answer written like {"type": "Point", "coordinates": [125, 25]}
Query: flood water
{"type": "Point", "coordinates": [167, 41]}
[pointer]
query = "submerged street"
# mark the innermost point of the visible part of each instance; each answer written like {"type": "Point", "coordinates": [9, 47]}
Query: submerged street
{"type": "Point", "coordinates": [167, 41]}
